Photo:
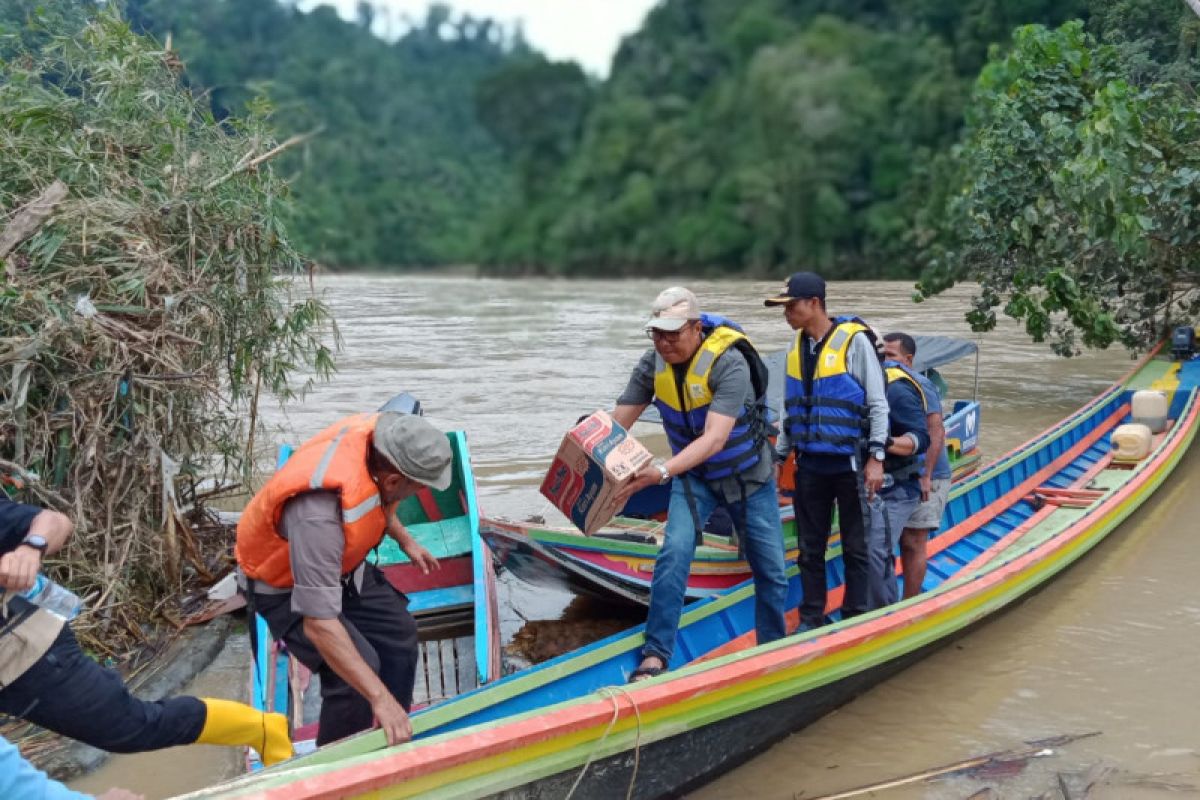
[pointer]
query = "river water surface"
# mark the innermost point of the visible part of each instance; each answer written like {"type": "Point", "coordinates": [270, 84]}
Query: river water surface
{"type": "Point", "coordinates": [1113, 645]}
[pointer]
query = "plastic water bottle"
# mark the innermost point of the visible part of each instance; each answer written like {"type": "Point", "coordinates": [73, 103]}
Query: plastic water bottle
{"type": "Point", "coordinates": [56, 599]}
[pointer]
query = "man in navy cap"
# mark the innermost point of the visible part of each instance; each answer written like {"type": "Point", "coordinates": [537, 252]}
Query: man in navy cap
{"type": "Point", "coordinates": [836, 418]}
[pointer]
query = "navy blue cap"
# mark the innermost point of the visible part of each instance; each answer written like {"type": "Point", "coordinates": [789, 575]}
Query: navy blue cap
{"type": "Point", "coordinates": [800, 286]}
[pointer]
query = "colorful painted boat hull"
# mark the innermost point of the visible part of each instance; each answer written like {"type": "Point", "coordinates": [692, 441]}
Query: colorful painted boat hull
{"type": "Point", "coordinates": [573, 724]}
{"type": "Point", "coordinates": [615, 567]}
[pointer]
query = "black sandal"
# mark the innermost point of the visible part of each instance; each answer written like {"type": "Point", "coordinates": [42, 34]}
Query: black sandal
{"type": "Point", "coordinates": [645, 672]}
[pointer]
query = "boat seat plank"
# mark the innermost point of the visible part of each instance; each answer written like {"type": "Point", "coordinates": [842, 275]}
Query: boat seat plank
{"type": "Point", "coordinates": [449, 668]}
{"type": "Point", "coordinates": [468, 678]}
{"type": "Point", "coordinates": [441, 598]}
{"type": "Point", "coordinates": [444, 539]}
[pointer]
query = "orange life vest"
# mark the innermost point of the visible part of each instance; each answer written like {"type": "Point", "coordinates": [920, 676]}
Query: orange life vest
{"type": "Point", "coordinates": [334, 460]}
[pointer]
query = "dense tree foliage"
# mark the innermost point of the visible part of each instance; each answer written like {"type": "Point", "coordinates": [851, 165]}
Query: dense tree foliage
{"type": "Point", "coordinates": [1078, 184]}
{"type": "Point", "coordinates": [858, 137]}
{"type": "Point", "coordinates": [751, 135]}
{"type": "Point", "coordinates": [400, 173]}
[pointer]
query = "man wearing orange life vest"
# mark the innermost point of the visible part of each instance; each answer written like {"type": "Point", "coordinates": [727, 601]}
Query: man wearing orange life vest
{"type": "Point", "coordinates": [302, 544]}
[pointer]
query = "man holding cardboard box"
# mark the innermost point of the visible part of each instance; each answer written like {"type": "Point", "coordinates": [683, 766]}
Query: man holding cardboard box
{"type": "Point", "coordinates": [709, 385]}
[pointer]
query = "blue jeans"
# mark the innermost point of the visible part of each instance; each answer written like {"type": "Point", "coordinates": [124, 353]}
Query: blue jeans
{"type": "Point", "coordinates": [888, 512]}
{"type": "Point", "coordinates": [763, 543]}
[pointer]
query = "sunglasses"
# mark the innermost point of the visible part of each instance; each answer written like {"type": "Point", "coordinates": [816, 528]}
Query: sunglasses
{"type": "Point", "coordinates": [655, 335]}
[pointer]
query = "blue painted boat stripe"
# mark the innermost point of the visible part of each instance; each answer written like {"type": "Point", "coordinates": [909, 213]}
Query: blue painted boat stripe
{"type": "Point", "coordinates": [435, 598]}
{"type": "Point", "coordinates": [281, 682]}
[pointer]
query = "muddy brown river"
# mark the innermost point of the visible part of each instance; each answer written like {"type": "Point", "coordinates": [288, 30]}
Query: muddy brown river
{"type": "Point", "coordinates": [1112, 645]}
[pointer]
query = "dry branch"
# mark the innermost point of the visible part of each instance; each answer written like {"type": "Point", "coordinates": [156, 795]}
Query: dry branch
{"type": "Point", "coordinates": [1035, 749]}
{"type": "Point", "coordinates": [27, 220]}
{"type": "Point", "coordinates": [254, 163]}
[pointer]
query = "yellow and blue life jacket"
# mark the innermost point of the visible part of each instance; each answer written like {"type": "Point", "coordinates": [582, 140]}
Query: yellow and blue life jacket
{"type": "Point", "coordinates": [904, 467]}
{"type": "Point", "coordinates": [826, 412]}
{"type": "Point", "coordinates": [684, 404]}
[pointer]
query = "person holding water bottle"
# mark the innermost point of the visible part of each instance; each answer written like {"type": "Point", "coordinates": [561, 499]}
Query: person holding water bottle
{"type": "Point", "coordinates": [46, 679]}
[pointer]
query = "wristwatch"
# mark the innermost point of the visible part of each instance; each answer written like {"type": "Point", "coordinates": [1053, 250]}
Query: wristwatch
{"type": "Point", "coordinates": [664, 472]}
{"type": "Point", "coordinates": [35, 541]}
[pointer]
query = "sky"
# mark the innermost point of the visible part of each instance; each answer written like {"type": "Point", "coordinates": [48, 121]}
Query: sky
{"type": "Point", "coordinates": [587, 31]}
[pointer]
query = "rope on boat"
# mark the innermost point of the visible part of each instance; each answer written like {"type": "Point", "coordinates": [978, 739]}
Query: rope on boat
{"type": "Point", "coordinates": [612, 693]}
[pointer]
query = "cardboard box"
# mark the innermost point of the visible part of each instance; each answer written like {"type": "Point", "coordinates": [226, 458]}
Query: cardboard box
{"type": "Point", "coordinates": [597, 457]}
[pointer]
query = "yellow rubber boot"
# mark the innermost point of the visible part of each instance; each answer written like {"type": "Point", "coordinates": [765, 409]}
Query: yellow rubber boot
{"type": "Point", "coordinates": [235, 724]}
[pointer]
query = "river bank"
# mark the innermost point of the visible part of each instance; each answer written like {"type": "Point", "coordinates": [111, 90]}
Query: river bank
{"type": "Point", "coordinates": [226, 647]}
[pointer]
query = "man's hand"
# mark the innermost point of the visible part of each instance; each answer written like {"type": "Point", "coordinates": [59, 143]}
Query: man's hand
{"type": "Point", "coordinates": [334, 644]}
{"type": "Point", "coordinates": [19, 568]}
{"type": "Point", "coordinates": [391, 717]}
{"type": "Point", "coordinates": [420, 557]}
{"type": "Point", "coordinates": [415, 551]}
{"type": "Point", "coordinates": [647, 476]}
{"type": "Point", "coordinates": [926, 487]}
{"type": "Point", "coordinates": [873, 477]}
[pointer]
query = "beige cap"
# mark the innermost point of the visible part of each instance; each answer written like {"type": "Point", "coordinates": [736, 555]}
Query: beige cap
{"type": "Point", "coordinates": [416, 448]}
{"type": "Point", "coordinates": [672, 309]}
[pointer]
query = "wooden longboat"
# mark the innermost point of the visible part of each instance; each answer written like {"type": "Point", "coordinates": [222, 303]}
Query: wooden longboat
{"type": "Point", "coordinates": [454, 606]}
{"type": "Point", "coordinates": [618, 560]}
{"type": "Point", "coordinates": [572, 726]}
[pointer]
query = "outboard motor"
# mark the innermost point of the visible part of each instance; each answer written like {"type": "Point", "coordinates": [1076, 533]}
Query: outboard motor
{"type": "Point", "coordinates": [1183, 343]}
{"type": "Point", "coordinates": [403, 403]}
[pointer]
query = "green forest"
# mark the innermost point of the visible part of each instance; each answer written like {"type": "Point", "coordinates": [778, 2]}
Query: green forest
{"type": "Point", "coordinates": [749, 136]}
{"type": "Point", "coordinates": [862, 138]}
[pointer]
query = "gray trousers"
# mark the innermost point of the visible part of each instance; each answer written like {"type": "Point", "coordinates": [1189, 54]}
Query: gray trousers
{"type": "Point", "coordinates": [382, 630]}
{"type": "Point", "coordinates": [888, 511]}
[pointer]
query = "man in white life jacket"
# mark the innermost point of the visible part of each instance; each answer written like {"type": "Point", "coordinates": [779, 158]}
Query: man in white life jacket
{"type": "Point", "coordinates": [709, 385]}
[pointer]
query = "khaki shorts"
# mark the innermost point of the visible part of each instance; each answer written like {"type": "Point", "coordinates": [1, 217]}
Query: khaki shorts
{"type": "Point", "coordinates": [929, 514]}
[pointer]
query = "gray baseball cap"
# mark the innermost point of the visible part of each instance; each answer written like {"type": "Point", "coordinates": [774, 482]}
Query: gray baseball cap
{"type": "Point", "coordinates": [672, 309]}
{"type": "Point", "coordinates": [416, 448]}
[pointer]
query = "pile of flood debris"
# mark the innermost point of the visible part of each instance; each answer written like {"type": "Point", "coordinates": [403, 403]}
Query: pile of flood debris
{"type": "Point", "coordinates": [147, 306]}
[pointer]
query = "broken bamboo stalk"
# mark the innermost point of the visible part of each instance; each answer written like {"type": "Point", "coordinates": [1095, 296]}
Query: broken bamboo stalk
{"type": "Point", "coordinates": [246, 165]}
{"type": "Point", "coordinates": [26, 221]}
